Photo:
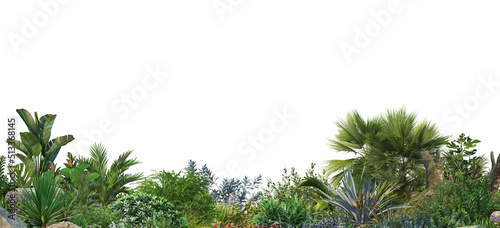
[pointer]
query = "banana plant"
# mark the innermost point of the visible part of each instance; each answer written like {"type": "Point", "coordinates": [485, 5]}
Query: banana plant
{"type": "Point", "coordinates": [37, 143]}
{"type": "Point", "coordinates": [368, 205]}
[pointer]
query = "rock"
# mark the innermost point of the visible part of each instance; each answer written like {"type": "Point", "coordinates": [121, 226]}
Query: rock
{"type": "Point", "coordinates": [495, 214]}
{"type": "Point", "coordinates": [6, 220]}
{"type": "Point", "coordinates": [64, 225]}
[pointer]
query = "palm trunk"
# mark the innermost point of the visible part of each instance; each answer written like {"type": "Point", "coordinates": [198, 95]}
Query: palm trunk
{"type": "Point", "coordinates": [434, 168]}
{"type": "Point", "coordinates": [495, 173]}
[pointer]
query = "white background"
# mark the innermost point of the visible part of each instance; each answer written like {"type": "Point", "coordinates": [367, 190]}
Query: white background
{"type": "Point", "coordinates": [226, 69]}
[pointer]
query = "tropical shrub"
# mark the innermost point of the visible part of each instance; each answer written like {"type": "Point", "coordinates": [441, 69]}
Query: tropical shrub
{"type": "Point", "coordinates": [111, 182]}
{"type": "Point", "coordinates": [78, 183]}
{"type": "Point", "coordinates": [462, 203]}
{"type": "Point", "coordinates": [188, 191]}
{"type": "Point", "coordinates": [138, 208]}
{"type": "Point", "coordinates": [38, 150]}
{"type": "Point", "coordinates": [291, 211]}
{"type": "Point", "coordinates": [476, 198]}
{"type": "Point", "coordinates": [43, 204]}
{"type": "Point", "coordinates": [369, 205]}
{"type": "Point", "coordinates": [456, 166]}
{"type": "Point", "coordinates": [96, 216]}
{"type": "Point", "coordinates": [288, 186]}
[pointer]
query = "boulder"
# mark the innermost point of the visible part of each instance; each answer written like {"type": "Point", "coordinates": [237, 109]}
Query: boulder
{"type": "Point", "coordinates": [6, 220]}
{"type": "Point", "coordinates": [64, 225]}
{"type": "Point", "coordinates": [495, 214]}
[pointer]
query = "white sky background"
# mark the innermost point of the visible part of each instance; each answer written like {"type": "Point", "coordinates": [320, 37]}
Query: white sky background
{"type": "Point", "coordinates": [224, 76]}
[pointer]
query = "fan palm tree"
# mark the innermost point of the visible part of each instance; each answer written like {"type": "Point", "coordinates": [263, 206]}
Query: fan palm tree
{"type": "Point", "coordinates": [111, 182]}
{"type": "Point", "coordinates": [387, 147]}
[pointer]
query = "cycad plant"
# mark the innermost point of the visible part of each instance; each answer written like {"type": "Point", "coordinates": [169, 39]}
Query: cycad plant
{"type": "Point", "coordinates": [44, 204]}
{"type": "Point", "coordinates": [111, 182]}
{"type": "Point", "coordinates": [370, 204]}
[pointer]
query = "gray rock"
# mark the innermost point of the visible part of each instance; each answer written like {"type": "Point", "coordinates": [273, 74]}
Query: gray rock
{"type": "Point", "coordinates": [6, 220]}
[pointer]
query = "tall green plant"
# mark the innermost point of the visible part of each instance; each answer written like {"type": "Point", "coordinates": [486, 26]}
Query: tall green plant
{"type": "Point", "coordinates": [43, 204]}
{"type": "Point", "coordinates": [111, 182]}
{"type": "Point", "coordinates": [368, 205]}
{"type": "Point", "coordinates": [36, 145]}
{"type": "Point", "coordinates": [188, 191]}
{"type": "Point", "coordinates": [460, 164]}
{"type": "Point", "coordinates": [78, 184]}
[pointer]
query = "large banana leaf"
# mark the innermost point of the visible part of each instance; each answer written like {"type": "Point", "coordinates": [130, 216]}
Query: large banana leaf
{"type": "Point", "coordinates": [31, 143]}
{"type": "Point", "coordinates": [46, 123]}
{"type": "Point", "coordinates": [18, 145]}
{"type": "Point", "coordinates": [28, 120]}
{"type": "Point", "coordinates": [55, 145]}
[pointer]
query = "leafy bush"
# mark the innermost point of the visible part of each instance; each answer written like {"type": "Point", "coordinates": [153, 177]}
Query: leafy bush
{"type": "Point", "coordinates": [288, 186]}
{"type": "Point", "coordinates": [188, 192]}
{"type": "Point", "coordinates": [77, 183]}
{"type": "Point", "coordinates": [476, 198]}
{"type": "Point", "coordinates": [138, 207]}
{"type": "Point", "coordinates": [234, 191]}
{"type": "Point", "coordinates": [291, 211]}
{"type": "Point", "coordinates": [96, 215]}
{"type": "Point", "coordinates": [456, 166]}
{"type": "Point", "coordinates": [44, 205]}
{"type": "Point", "coordinates": [458, 203]}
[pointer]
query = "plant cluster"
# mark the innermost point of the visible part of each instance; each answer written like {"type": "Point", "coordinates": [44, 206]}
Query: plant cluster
{"type": "Point", "coordinates": [188, 191]}
{"type": "Point", "coordinates": [139, 208]}
{"type": "Point", "coordinates": [292, 210]}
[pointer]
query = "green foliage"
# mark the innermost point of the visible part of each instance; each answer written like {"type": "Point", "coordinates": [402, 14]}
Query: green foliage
{"type": "Point", "coordinates": [455, 203]}
{"type": "Point", "coordinates": [288, 186]}
{"type": "Point", "coordinates": [476, 198]}
{"type": "Point", "coordinates": [187, 191]}
{"type": "Point", "coordinates": [96, 216]}
{"type": "Point", "coordinates": [77, 183]}
{"type": "Point", "coordinates": [291, 211]}
{"type": "Point", "coordinates": [458, 167]}
{"type": "Point", "coordinates": [110, 182]}
{"type": "Point", "coordinates": [388, 146]}
{"type": "Point", "coordinates": [138, 207]}
{"type": "Point", "coordinates": [368, 205]}
{"type": "Point", "coordinates": [4, 181]}
{"type": "Point", "coordinates": [36, 144]}
{"type": "Point", "coordinates": [44, 205]}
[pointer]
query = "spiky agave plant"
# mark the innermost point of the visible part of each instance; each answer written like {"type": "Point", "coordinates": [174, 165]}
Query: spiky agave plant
{"type": "Point", "coordinates": [369, 205]}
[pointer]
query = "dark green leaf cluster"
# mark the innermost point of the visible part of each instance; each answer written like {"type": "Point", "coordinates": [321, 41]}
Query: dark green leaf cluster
{"type": "Point", "coordinates": [139, 207]}
{"type": "Point", "coordinates": [460, 164]}
{"type": "Point", "coordinates": [188, 191]}
{"type": "Point", "coordinates": [289, 186]}
{"type": "Point", "coordinates": [477, 199]}
{"type": "Point", "coordinates": [4, 181]}
{"type": "Point", "coordinates": [291, 211]}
